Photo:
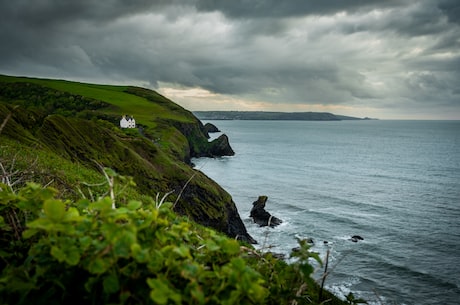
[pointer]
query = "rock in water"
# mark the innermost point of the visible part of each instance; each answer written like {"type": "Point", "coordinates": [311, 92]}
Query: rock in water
{"type": "Point", "coordinates": [262, 217]}
{"type": "Point", "coordinates": [210, 128]}
{"type": "Point", "coordinates": [221, 147]}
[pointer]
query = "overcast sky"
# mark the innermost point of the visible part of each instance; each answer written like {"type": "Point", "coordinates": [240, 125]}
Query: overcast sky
{"type": "Point", "coordinates": [389, 59]}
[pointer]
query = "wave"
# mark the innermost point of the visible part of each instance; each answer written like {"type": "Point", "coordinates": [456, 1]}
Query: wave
{"type": "Point", "coordinates": [401, 283]}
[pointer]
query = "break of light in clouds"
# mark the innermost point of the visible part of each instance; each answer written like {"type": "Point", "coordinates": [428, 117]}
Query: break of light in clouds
{"type": "Point", "coordinates": [382, 58]}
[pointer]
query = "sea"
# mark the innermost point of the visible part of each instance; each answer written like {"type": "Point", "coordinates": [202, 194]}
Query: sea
{"type": "Point", "coordinates": [394, 183]}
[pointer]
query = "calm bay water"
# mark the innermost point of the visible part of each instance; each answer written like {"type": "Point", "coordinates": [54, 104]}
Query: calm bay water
{"type": "Point", "coordinates": [395, 183]}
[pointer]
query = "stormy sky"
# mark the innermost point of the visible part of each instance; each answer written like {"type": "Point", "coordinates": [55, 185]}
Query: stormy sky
{"type": "Point", "coordinates": [390, 59]}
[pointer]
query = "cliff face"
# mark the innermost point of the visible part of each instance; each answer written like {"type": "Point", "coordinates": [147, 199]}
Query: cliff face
{"type": "Point", "coordinates": [197, 137]}
{"type": "Point", "coordinates": [157, 157]}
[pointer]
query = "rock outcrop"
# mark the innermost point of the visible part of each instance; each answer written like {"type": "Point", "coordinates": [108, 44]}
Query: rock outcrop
{"type": "Point", "coordinates": [220, 147]}
{"type": "Point", "coordinates": [211, 128]}
{"type": "Point", "coordinates": [262, 217]}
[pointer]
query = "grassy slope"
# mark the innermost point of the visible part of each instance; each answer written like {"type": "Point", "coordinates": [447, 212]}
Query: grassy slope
{"type": "Point", "coordinates": [143, 110]}
{"type": "Point", "coordinates": [156, 166]}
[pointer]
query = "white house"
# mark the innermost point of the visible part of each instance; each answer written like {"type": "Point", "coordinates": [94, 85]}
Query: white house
{"type": "Point", "coordinates": [127, 122]}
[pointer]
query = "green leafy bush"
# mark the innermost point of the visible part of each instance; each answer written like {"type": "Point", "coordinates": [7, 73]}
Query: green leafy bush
{"type": "Point", "coordinates": [56, 251]}
{"type": "Point", "coordinates": [137, 254]}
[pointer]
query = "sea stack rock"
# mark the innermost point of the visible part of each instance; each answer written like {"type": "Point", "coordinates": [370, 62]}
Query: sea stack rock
{"type": "Point", "coordinates": [262, 217]}
{"type": "Point", "coordinates": [211, 128]}
{"type": "Point", "coordinates": [221, 147]}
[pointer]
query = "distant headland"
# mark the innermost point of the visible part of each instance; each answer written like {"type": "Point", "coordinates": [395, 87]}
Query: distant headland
{"type": "Point", "coordinates": [266, 115]}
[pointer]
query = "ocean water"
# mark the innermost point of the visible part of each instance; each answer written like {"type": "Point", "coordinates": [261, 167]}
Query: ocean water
{"type": "Point", "coordinates": [395, 183]}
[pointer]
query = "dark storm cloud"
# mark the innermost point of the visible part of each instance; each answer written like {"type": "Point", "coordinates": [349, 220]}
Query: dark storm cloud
{"type": "Point", "coordinates": [51, 12]}
{"type": "Point", "coordinates": [451, 8]}
{"type": "Point", "coordinates": [276, 8]}
{"type": "Point", "coordinates": [358, 52]}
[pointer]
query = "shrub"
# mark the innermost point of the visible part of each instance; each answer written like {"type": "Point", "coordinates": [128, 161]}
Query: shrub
{"type": "Point", "coordinates": [137, 254]}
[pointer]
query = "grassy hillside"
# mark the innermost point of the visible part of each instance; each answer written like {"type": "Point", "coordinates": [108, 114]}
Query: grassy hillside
{"type": "Point", "coordinates": [77, 124]}
{"type": "Point", "coordinates": [125, 99]}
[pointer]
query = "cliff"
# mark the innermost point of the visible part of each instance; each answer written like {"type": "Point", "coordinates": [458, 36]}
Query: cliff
{"type": "Point", "coordinates": [66, 129]}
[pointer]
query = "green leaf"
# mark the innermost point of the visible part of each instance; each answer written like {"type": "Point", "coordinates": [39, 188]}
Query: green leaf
{"type": "Point", "coordinates": [91, 282]}
{"type": "Point", "coordinates": [189, 271]}
{"type": "Point", "coordinates": [306, 269]}
{"type": "Point", "coordinates": [98, 266]}
{"type": "Point", "coordinates": [73, 256]}
{"type": "Point", "coordinates": [183, 251]}
{"type": "Point", "coordinates": [110, 172]}
{"type": "Point", "coordinates": [103, 204]}
{"type": "Point", "coordinates": [121, 212]}
{"type": "Point", "coordinates": [211, 245]}
{"type": "Point", "coordinates": [54, 209]}
{"type": "Point", "coordinates": [161, 292]}
{"type": "Point", "coordinates": [111, 284]}
{"type": "Point", "coordinates": [123, 243]}
{"type": "Point", "coordinates": [197, 295]}
{"type": "Point", "coordinates": [238, 264]}
{"type": "Point", "coordinates": [85, 242]}
{"type": "Point", "coordinates": [83, 203]}
{"type": "Point", "coordinates": [139, 254]}
{"type": "Point", "coordinates": [29, 233]}
{"type": "Point", "coordinates": [72, 214]}
{"type": "Point", "coordinates": [156, 262]}
{"type": "Point", "coordinates": [41, 224]}
{"type": "Point", "coordinates": [134, 205]}
{"type": "Point", "coordinates": [58, 254]}
{"type": "Point", "coordinates": [231, 247]}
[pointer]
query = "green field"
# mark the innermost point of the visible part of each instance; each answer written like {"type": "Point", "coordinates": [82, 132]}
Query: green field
{"type": "Point", "coordinates": [143, 110]}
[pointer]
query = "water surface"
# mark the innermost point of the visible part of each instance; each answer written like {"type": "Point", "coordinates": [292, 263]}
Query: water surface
{"type": "Point", "coordinates": [395, 183]}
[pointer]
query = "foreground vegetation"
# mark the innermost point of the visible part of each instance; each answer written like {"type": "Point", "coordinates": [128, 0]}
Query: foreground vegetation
{"type": "Point", "coordinates": [56, 251]}
{"type": "Point", "coordinates": [87, 215]}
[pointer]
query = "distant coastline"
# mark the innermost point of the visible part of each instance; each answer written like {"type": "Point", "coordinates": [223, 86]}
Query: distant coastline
{"type": "Point", "coordinates": [266, 115]}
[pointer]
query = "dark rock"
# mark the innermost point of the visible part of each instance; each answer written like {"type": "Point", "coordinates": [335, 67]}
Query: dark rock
{"type": "Point", "coordinates": [211, 128]}
{"type": "Point", "coordinates": [262, 217]}
{"type": "Point", "coordinates": [280, 256]}
{"type": "Point", "coordinates": [220, 147]}
{"type": "Point", "coordinates": [236, 226]}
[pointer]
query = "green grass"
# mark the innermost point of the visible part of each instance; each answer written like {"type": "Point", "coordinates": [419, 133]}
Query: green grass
{"type": "Point", "coordinates": [40, 165]}
{"type": "Point", "coordinates": [144, 111]}
{"type": "Point", "coordinates": [43, 166]}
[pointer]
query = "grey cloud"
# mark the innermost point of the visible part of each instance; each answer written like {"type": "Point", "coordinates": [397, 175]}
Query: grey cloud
{"type": "Point", "coordinates": [451, 8]}
{"type": "Point", "coordinates": [45, 13]}
{"type": "Point", "coordinates": [276, 8]}
{"type": "Point", "coordinates": [416, 19]}
{"type": "Point", "coordinates": [274, 51]}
